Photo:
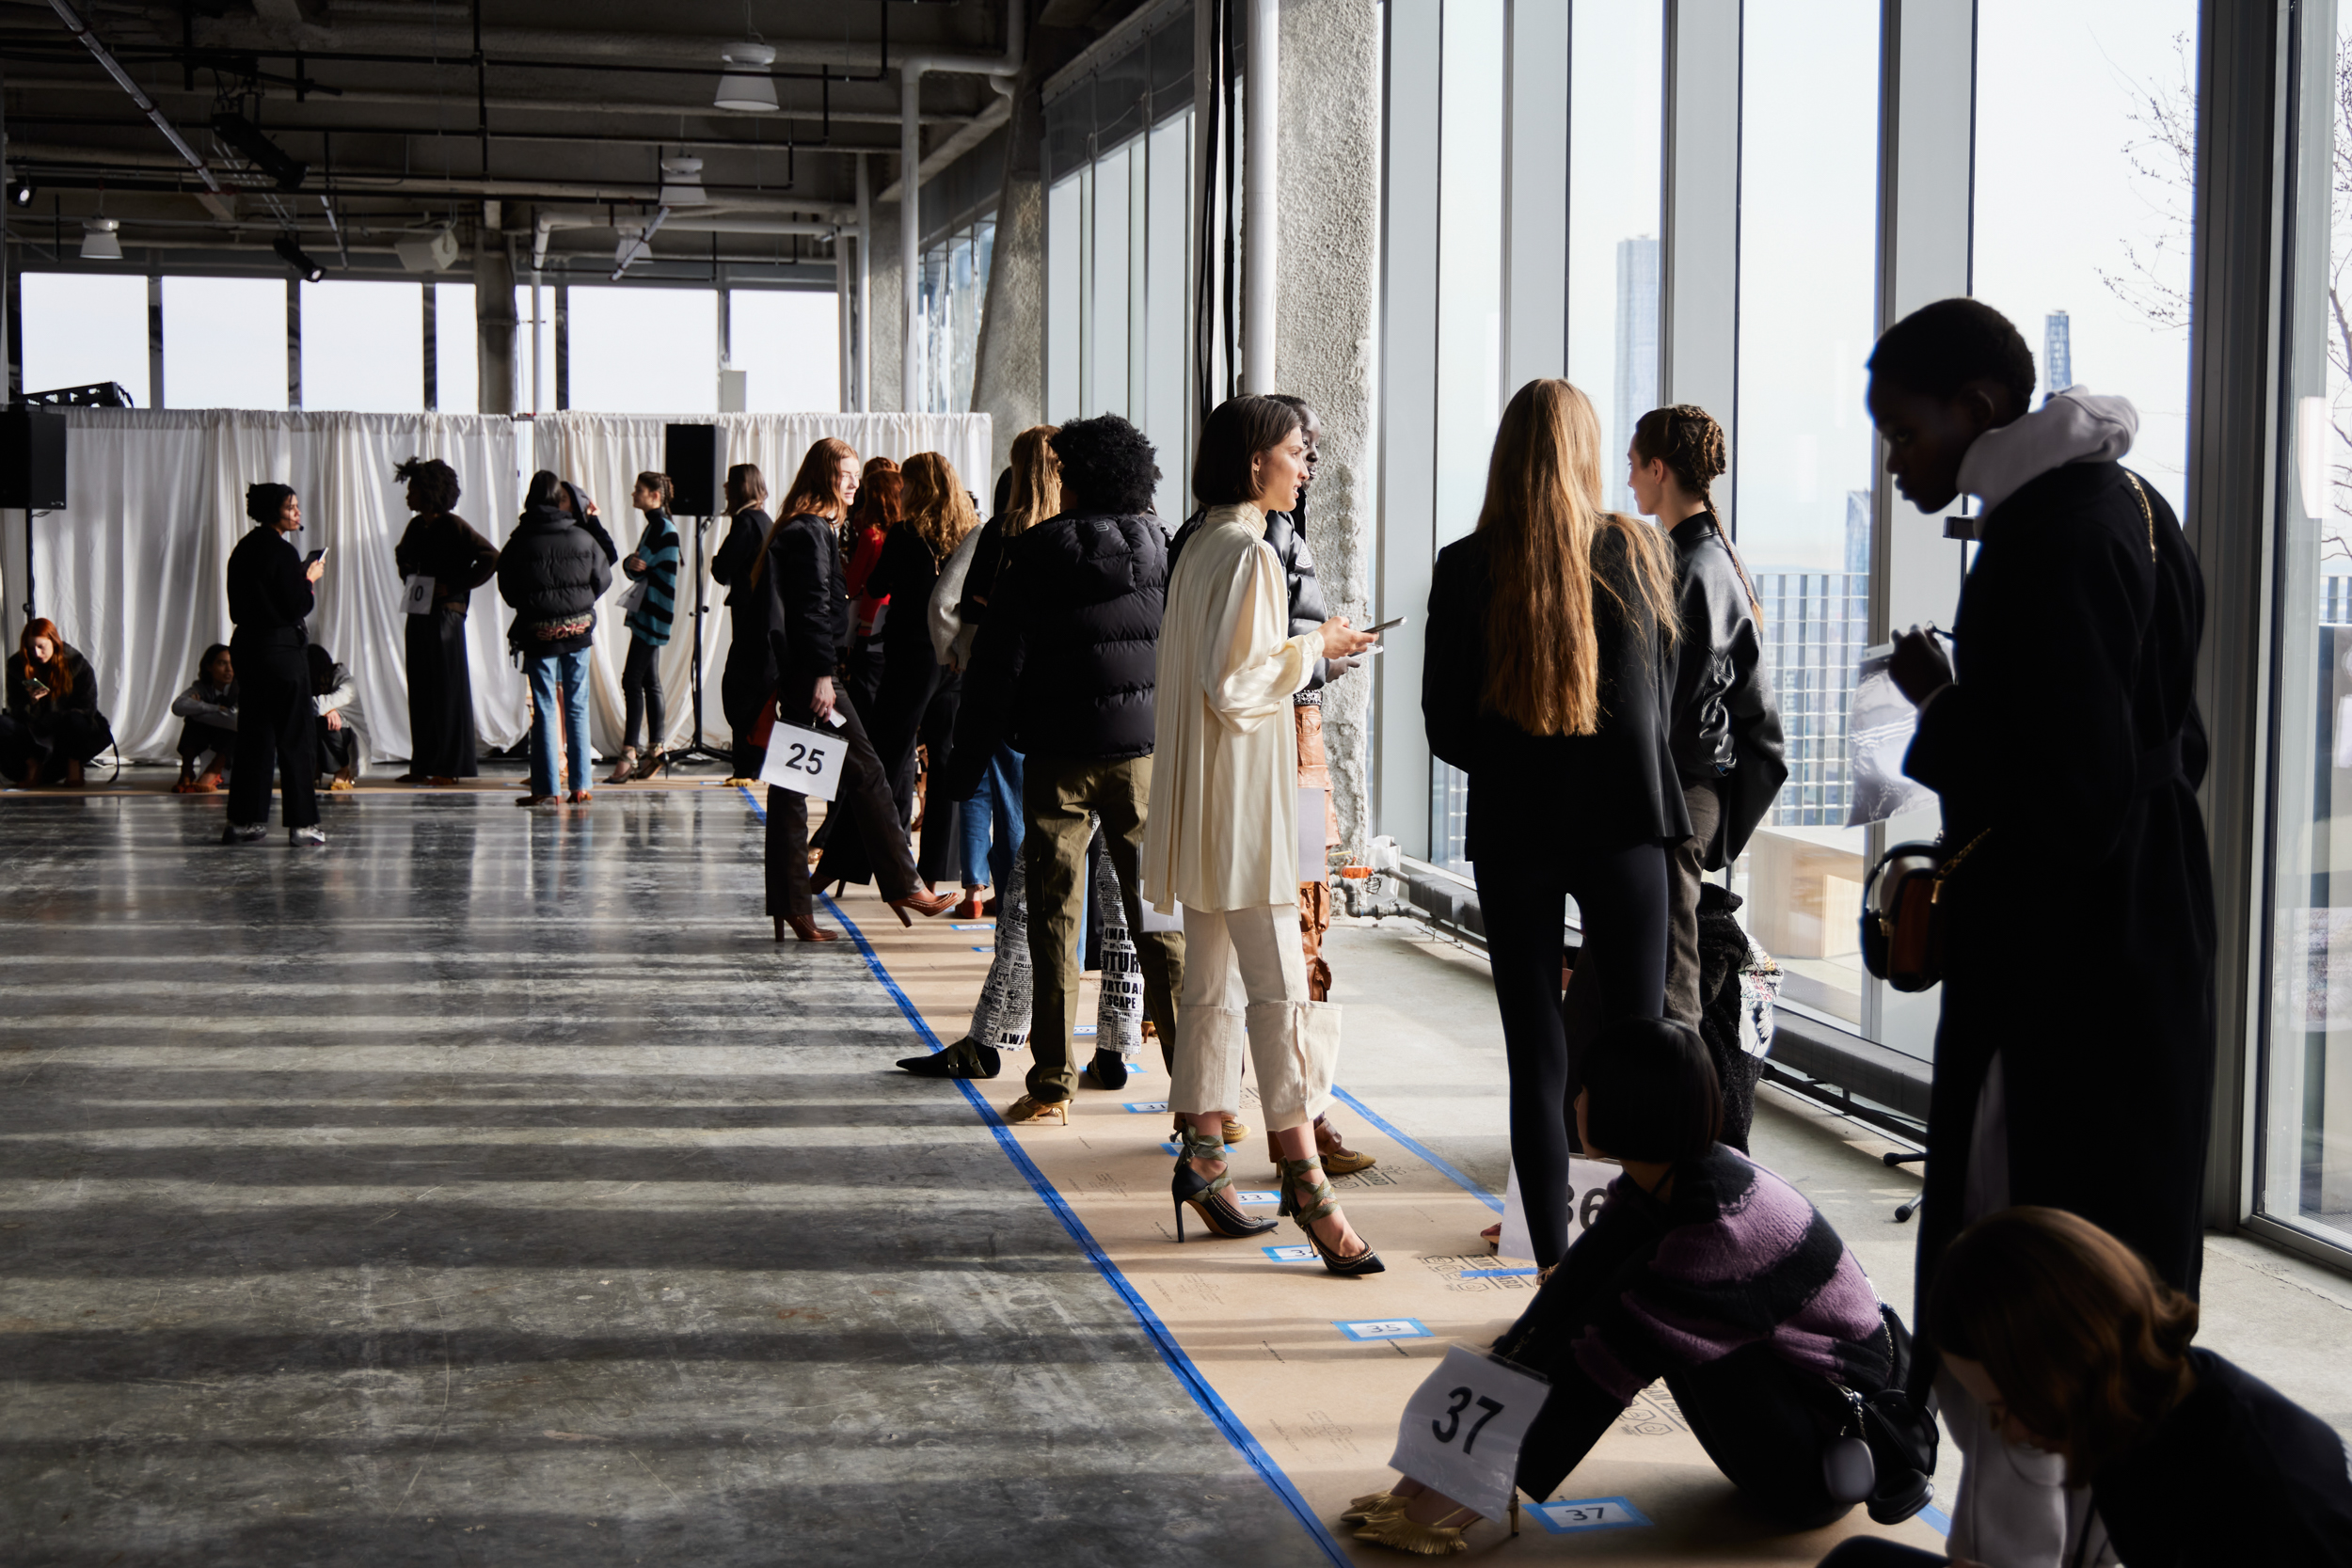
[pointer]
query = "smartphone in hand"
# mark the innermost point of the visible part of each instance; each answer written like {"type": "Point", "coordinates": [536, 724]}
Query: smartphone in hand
{"type": "Point", "coordinates": [315, 556]}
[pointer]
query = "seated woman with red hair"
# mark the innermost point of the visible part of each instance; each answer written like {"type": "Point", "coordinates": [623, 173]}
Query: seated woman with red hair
{"type": "Point", "coordinates": [52, 725]}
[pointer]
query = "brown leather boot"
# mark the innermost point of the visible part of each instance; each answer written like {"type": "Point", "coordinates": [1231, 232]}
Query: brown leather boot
{"type": "Point", "coordinates": [1338, 1159]}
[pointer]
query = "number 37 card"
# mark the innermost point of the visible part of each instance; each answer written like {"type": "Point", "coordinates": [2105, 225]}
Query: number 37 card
{"type": "Point", "coordinates": [805, 761]}
{"type": "Point", "coordinates": [1462, 1430]}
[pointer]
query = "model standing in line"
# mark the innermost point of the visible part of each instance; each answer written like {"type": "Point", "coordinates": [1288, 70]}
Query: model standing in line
{"type": "Point", "coordinates": [655, 563]}
{"type": "Point", "coordinates": [1547, 679]}
{"type": "Point", "coordinates": [797, 581]}
{"type": "Point", "coordinates": [440, 545]}
{"type": "Point", "coordinates": [1723, 727]}
{"type": "Point", "coordinates": [270, 598]}
{"type": "Point", "coordinates": [551, 573]}
{"type": "Point", "coordinates": [748, 675]}
{"type": "Point", "coordinates": [1221, 839]}
{"type": "Point", "coordinates": [1286, 536]}
{"type": "Point", "coordinates": [2062, 739]}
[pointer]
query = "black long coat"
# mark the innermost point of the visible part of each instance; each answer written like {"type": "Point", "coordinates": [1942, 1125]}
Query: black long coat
{"type": "Point", "coordinates": [2079, 930]}
{"type": "Point", "coordinates": [749, 673]}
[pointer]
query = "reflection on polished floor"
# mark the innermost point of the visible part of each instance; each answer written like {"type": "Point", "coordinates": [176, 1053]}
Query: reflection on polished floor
{"type": "Point", "coordinates": [489, 1189]}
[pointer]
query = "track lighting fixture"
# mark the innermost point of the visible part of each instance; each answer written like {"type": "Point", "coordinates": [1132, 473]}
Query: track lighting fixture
{"type": "Point", "coordinates": [291, 253]}
{"type": "Point", "coordinates": [259, 150]}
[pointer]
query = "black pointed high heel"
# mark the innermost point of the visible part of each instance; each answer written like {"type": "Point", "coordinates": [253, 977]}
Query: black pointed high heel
{"type": "Point", "coordinates": [1207, 1194]}
{"type": "Point", "coordinates": [1321, 1205]}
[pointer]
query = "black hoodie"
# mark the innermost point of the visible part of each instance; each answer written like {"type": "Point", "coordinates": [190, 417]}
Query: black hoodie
{"type": "Point", "coordinates": [1065, 663]}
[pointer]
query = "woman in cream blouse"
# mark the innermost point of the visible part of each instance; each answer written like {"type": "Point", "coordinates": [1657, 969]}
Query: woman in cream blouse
{"type": "Point", "coordinates": [1222, 835]}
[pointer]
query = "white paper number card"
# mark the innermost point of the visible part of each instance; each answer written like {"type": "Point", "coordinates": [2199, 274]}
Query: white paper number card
{"type": "Point", "coordinates": [416, 596]}
{"type": "Point", "coordinates": [804, 761]}
{"type": "Point", "coordinates": [1463, 1426]}
{"type": "Point", "coordinates": [1583, 1514]}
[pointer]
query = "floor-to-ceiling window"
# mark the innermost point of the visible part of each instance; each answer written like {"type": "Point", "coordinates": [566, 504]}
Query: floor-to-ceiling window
{"type": "Point", "coordinates": [82, 328]}
{"type": "Point", "coordinates": [1808, 221]}
{"type": "Point", "coordinates": [1118, 203]}
{"type": "Point", "coordinates": [1617, 83]}
{"type": "Point", "coordinates": [2303, 1103]}
{"type": "Point", "coordinates": [955, 290]}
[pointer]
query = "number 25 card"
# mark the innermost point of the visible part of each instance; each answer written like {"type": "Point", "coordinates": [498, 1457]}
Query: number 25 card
{"type": "Point", "coordinates": [805, 761]}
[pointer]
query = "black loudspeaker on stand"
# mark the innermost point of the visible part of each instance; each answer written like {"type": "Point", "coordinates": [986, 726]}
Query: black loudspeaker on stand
{"type": "Point", "coordinates": [32, 473]}
{"type": "Point", "coordinates": [693, 455]}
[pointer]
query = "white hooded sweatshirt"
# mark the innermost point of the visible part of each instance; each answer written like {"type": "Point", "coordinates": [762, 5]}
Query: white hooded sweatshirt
{"type": "Point", "coordinates": [2073, 426]}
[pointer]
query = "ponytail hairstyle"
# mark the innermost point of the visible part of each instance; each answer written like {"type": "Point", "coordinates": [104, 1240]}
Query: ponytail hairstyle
{"type": "Point", "coordinates": [659, 485]}
{"type": "Point", "coordinates": [1687, 439]}
{"type": "Point", "coordinates": [52, 673]}
{"type": "Point", "coordinates": [1541, 518]}
{"type": "Point", "coordinates": [434, 481]}
{"type": "Point", "coordinates": [1036, 473]}
{"type": "Point", "coordinates": [938, 508]}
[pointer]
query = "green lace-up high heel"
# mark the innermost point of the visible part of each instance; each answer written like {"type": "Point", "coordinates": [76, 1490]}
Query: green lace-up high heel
{"type": "Point", "coordinates": [1320, 1205]}
{"type": "Point", "coordinates": [1207, 1194]}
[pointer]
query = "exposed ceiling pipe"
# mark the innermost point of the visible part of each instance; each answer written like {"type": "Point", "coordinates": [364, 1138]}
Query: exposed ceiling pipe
{"type": "Point", "coordinates": [641, 245]}
{"type": "Point", "coordinates": [80, 29]}
{"type": "Point", "coordinates": [637, 49]}
{"type": "Point", "coordinates": [911, 71]}
{"type": "Point", "coordinates": [974, 132]}
{"type": "Point", "coordinates": [701, 223]}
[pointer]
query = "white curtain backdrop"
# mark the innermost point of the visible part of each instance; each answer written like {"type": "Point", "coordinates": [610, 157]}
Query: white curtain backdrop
{"type": "Point", "coordinates": [131, 569]}
{"type": "Point", "coordinates": [603, 455]}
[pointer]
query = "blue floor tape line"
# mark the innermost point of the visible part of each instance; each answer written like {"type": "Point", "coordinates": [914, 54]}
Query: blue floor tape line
{"type": "Point", "coordinates": [1177, 1362]}
{"type": "Point", "coordinates": [1481, 1193]}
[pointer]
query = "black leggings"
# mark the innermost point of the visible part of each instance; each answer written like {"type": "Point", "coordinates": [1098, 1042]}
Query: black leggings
{"type": "Point", "coordinates": [1621, 896]}
{"type": "Point", "coordinates": [641, 691]}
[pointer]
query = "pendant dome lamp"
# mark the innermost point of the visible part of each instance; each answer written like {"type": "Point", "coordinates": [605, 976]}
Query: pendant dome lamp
{"type": "Point", "coordinates": [100, 239]}
{"type": "Point", "coordinates": [748, 90]}
{"type": "Point", "coordinates": [681, 182]}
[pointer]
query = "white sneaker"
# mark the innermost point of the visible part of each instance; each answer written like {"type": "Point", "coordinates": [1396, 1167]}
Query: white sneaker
{"type": "Point", "coordinates": [299, 837]}
{"type": "Point", "coordinates": [241, 832]}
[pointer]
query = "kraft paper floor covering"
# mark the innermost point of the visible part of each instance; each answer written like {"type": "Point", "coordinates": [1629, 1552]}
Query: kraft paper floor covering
{"type": "Point", "coordinates": [1262, 1334]}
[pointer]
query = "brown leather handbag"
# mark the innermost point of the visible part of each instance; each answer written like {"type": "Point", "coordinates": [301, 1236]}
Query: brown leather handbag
{"type": "Point", "coordinates": [1902, 917]}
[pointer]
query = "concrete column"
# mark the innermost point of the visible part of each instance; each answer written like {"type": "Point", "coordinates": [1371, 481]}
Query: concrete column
{"type": "Point", "coordinates": [1325, 300]}
{"type": "Point", "coordinates": [909, 230]}
{"type": "Point", "coordinates": [1009, 363]}
{"type": "Point", "coordinates": [293, 343]}
{"type": "Point", "coordinates": [154, 332]}
{"type": "Point", "coordinates": [494, 322]}
{"type": "Point", "coordinates": [885, 323]}
{"type": "Point", "coordinates": [863, 304]}
{"type": "Point", "coordinates": [1262, 102]}
{"type": "Point", "coordinates": [432, 347]}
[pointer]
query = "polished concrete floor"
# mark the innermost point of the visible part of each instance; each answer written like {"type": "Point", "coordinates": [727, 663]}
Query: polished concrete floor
{"type": "Point", "coordinates": [489, 1189]}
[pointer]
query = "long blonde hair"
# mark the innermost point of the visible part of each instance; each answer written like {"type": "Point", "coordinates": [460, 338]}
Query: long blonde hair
{"type": "Point", "coordinates": [1541, 518]}
{"type": "Point", "coordinates": [1035, 480]}
{"type": "Point", "coordinates": [937, 508]}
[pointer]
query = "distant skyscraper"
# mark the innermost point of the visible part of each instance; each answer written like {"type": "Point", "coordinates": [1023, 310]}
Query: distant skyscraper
{"type": "Point", "coordinates": [2057, 354]}
{"type": "Point", "coordinates": [1858, 532]}
{"type": "Point", "coordinates": [1636, 388]}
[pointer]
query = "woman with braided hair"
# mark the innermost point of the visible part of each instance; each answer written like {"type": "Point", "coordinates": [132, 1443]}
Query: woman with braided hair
{"type": "Point", "coordinates": [1722, 725]}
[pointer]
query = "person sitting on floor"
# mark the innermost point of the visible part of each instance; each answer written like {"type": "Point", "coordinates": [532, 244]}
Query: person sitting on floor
{"type": "Point", "coordinates": [209, 733]}
{"type": "Point", "coordinates": [2074, 1347]}
{"type": "Point", "coordinates": [52, 725]}
{"type": "Point", "coordinates": [343, 747]}
{"type": "Point", "coordinates": [1704, 1269]}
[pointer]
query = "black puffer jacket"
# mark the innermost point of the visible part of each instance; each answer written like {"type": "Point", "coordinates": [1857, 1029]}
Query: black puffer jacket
{"type": "Point", "coordinates": [1065, 663]}
{"type": "Point", "coordinates": [1287, 533]}
{"type": "Point", "coordinates": [552, 574]}
{"type": "Point", "coordinates": [1723, 725]}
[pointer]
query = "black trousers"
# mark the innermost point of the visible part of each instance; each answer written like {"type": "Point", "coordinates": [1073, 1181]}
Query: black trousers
{"type": "Point", "coordinates": [198, 738]}
{"type": "Point", "coordinates": [70, 733]}
{"type": "Point", "coordinates": [1875, 1551]}
{"type": "Point", "coordinates": [641, 694]}
{"type": "Point", "coordinates": [338, 749]}
{"type": "Point", "coordinates": [1620, 894]}
{"type": "Point", "coordinates": [276, 724]}
{"type": "Point", "coordinates": [441, 742]}
{"type": "Point", "coordinates": [908, 686]}
{"type": "Point", "coordinates": [864, 796]}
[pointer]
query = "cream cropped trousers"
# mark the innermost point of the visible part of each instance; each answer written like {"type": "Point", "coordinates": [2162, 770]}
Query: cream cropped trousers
{"type": "Point", "coordinates": [1251, 957]}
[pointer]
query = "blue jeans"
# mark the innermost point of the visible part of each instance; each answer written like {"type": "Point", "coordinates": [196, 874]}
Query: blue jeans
{"type": "Point", "coordinates": [547, 672]}
{"type": "Point", "coordinates": [997, 800]}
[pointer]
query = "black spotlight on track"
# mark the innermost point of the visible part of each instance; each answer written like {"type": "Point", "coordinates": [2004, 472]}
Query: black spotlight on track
{"type": "Point", "coordinates": [294, 256]}
{"type": "Point", "coordinates": [263, 154]}
{"type": "Point", "coordinates": [20, 193]}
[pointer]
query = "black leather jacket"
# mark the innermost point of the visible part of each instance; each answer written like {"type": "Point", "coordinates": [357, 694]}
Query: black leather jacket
{"type": "Point", "coordinates": [1723, 726]}
{"type": "Point", "coordinates": [1287, 533]}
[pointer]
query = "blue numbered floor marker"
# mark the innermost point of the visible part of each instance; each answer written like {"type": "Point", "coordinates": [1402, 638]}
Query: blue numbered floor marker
{"type": "Point", "coordinates": [1240, 1197]}
{"type": "Point", "coordinates": [1145, 1106]}
{"type": "Point", "coordinates": [1289, 1254]}
{"type": "Point", "coordinates": [1582, 1514]}
{"type": "Point", "coordinates": [1173, 1148]}
{"type": "Point", "coordinates": [1082, 1029]}
{"type": "Point", "coordinates": [982, 926]}
{"type": "Point", "coordinates": [1495, 1273]}
{"type": "Point", "coordinates": [1386, 1328]}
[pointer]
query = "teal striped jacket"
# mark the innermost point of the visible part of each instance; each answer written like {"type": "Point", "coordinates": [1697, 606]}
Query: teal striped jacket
{"type": "Point", "coordinates": [649, 623]}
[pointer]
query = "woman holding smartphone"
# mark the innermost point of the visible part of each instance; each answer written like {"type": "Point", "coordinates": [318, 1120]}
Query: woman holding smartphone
{"type": "Point", "coordinates": [52, 725]}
